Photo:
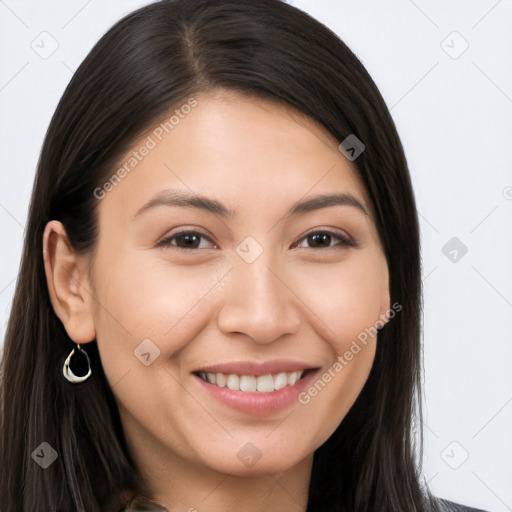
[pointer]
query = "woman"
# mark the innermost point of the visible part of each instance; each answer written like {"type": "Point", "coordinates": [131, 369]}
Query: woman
{"type": "Point", "coordinates": [219, 300]}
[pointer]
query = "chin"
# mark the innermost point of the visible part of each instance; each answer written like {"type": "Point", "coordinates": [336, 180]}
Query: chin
{"type": "Point", "coordinates": [249, 461]}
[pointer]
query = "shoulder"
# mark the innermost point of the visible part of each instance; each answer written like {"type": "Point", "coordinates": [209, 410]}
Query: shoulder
{"type": "Point", "coordinates": [450, 506]}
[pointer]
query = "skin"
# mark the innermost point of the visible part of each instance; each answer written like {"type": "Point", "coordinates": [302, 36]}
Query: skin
{"type": "Point", "coordinates": [207, 305]}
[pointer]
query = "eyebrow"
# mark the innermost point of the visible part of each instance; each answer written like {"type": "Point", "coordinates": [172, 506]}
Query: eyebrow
{"type": "Point", "coordinates": [182, 198]}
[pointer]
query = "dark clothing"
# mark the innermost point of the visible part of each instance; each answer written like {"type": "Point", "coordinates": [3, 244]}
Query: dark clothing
{"type": "Point", "coordinates": [448, 506]}
{"type": "Point", "coordinates": [141, 504]}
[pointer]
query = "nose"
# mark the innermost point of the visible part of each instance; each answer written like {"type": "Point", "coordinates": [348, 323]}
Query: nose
{"type": "Point", "coordinates": [259, 302]}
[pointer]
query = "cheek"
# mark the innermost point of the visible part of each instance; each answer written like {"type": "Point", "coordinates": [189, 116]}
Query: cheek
{"type": "Point", "coordinates": [347, 298]}
{"type": "Point", "coordinates": [348, 303]}
{"type": "Point", "coordinates": [146, 300]}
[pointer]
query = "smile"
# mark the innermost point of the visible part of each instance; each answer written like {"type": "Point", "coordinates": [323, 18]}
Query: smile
{"type": "Point", "coordinates": [255, 387]}
{"type": "Point", "coordinates": [252, 383]}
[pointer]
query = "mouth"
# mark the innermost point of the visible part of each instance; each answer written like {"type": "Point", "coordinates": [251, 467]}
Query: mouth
{"type": "Point", "coordinates": [255, 387]}
{"type": "Point", "coordinates": [247, 383]}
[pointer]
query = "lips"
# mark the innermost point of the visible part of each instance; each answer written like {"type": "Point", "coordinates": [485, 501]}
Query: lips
{"type": "Point", "coordinates": [255, 388]}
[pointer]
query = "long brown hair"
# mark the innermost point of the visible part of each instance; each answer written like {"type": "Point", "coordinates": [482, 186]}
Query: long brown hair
{"type": "Point", "coordinates": [143, 67]}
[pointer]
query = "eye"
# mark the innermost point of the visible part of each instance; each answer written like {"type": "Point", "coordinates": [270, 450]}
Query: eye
{"type": "Point", "coordinates": [322, 240]}
{"type": "Point", "coordinates": [190, 239]}
{"type": "Point", "coordinates": [185, 239]}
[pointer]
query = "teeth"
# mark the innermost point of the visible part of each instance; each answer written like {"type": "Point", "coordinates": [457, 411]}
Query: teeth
{"type": "Point", "coordinates": [265, 384]}
{"type": "Point", "coordinates": [233, 382]}
{"type": "Point", "coordinates": [252, 383]}
{"type": "Point", "coordinates": [280, 381]}
{"type": "Point", "coordinates": [293, 377]}
{"type": "Point", "coordinates": [248, 383]}
{"type": "Point", "coordinates": [220, 380]}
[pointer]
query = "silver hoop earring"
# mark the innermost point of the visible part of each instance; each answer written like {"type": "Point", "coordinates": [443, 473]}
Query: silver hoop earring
{"type": "Point", "coordinates": [68, 373]}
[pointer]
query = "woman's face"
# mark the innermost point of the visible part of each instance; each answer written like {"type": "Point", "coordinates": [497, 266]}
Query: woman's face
{"type": "Point", "coordinates": [186, 291]}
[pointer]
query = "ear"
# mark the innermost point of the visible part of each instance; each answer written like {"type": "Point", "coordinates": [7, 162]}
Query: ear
{"type": "Point", "coordinates": [68, 286]}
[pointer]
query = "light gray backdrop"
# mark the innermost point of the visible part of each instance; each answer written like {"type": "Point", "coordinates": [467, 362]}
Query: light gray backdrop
{"type": "Point", "coordinates": [445, 71]}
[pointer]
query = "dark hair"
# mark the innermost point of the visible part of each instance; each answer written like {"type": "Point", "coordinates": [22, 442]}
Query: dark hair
{"type": "Point", "coordinates": [144, 66]}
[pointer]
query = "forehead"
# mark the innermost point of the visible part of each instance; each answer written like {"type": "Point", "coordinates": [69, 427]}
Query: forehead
{"type": "Point", "coordinates": [236, 147]}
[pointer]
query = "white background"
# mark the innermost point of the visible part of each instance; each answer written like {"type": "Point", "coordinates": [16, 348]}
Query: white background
{"type": "Point", "coordinates": [454, 116]}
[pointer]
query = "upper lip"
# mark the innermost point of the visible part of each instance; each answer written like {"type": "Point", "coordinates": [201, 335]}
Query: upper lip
{"type": "Point", "coordinates": [256, 367]}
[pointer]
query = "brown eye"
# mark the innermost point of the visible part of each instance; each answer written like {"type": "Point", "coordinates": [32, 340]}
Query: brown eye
{"type": "Point", "coordinates": [185, 240]}
{"type": "Point", "coordinates": [323, 239]}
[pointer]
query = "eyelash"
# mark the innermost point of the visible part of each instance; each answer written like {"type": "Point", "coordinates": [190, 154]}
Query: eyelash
{"type": "Point", "coordinates": [345, 241]}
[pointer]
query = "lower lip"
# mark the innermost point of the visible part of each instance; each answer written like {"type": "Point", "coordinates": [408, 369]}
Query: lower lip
{"type": "Point", "coordinates": [255, 402]}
